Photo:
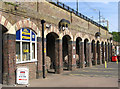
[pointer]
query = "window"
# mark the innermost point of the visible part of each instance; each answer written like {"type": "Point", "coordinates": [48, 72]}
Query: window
{"type": "Point", "coordinates": [26, 46]}
{"type": "Point", "coordinates": [25, 51]}
{"type": "Point", "coordinates": [17, 51]}
{"type": "Point", "coordinates": [33, 50]}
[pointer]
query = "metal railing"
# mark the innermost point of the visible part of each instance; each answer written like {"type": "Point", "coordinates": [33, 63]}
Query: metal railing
{"type": "Point", "coordinates": [65, 7]}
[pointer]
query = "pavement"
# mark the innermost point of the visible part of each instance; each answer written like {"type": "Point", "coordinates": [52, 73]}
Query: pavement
{"type": "Point", "coordinates": [97, 71]}
{"type": "Point", "coordinates": [96, 76]}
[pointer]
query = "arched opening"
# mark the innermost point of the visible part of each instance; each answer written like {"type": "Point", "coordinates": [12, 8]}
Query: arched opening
{"type": "Point", "coordinates": [50, 51]}
{"type": "Point", "coordinates": [3, 61]}
{"type": "Point", "coordinates": [78, 52]}
{"type": "Point", "coordinates": [102, 49]}
{"type": "Point", "coordinates": [93, 52]}
{"type": "Point", "coordinates": [97, 48]}
{"type": "Point", "coordinates": [86, 52]}
{"type": "Point", "coordinates": [65, 52]}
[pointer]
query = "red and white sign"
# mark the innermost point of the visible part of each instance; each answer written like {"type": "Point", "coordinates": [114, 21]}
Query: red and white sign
{"type": "Point", "coordinates": [22, 75]}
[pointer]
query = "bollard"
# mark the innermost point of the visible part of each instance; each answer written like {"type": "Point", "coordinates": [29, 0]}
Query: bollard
{"type": "Point", "coordinates": [105, 64]}
{"type": "Point", "coordinates": [117, 61]}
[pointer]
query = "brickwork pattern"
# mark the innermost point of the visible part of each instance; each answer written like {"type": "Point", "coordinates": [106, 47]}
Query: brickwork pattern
{"type": "Point", "coordinates": [39, 57]}
{"type": "Point", "coordinates": [27, 23]}
{"type": "Point", "coordinates": [32, 69]}
{"type": "Point", "coordinates": [52, 14]}
{"type": "Point", "coordinates": [9, 52]}
{"type": "Point", "coordinates": [5, 22]}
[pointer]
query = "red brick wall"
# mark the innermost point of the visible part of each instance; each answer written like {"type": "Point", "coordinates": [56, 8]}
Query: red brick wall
{"type": "Point", "coordinates": [32, 69]}
{"type": "Point", "coordinates": [39, 57]}
{"type": "Point", "coordinates": [9, 62]}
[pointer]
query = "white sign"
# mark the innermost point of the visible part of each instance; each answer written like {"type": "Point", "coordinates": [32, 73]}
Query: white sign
{"type": "Point", "coordinates": [73, 56]}
{"type": "Point", "coordinates": [22, 75]}
{"type": "Point", "coordinates": [73, 47]}
{"type": "Point", "coordinates": [117, 50]}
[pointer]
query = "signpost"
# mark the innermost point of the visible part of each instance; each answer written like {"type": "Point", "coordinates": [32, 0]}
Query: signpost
{"type": "Point", "coordinates": [22, 75]}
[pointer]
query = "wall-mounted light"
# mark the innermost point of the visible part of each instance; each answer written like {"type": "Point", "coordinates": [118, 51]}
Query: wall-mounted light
{"type": "Point", "coordinates": [97, 35]}
{"type": "Point", "coordinates": [111, 39]}
{"type": "Point", "coordinates": [63, 28]}
{"type": "Point", "coordinates": [63, 24]}
{"type": "Point", "coordinates": [28, 19]}
{"type": "Point", "coordinates": [48, 26]}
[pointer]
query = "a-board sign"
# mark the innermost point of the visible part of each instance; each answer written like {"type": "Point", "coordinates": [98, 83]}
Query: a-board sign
{"type": "Point", "coordinates": [22, 75]}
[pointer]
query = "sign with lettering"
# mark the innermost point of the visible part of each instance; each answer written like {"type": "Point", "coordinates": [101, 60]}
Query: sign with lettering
{"type": "Point", "coordinates": [22, 75]}
{"type": "Point", "coordinates": [25, 34]}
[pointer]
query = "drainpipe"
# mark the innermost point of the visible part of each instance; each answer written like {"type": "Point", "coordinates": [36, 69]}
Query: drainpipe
{"type": "Point", "coordinates": [43, 58]}
{"type": "Point", "coordinates": [1, 55]}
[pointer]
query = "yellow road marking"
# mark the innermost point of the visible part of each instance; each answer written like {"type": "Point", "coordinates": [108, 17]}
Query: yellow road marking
{"type": "Point", "coordinates": [93, 75]}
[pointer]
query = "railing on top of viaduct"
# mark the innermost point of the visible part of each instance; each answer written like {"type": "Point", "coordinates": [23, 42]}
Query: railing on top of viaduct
{"type": "Point", "coordinates": [65, 7]}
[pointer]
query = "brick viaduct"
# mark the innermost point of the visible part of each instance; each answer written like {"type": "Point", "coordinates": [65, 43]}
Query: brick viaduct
{"type": "Point", "coordinates": [68, 49]}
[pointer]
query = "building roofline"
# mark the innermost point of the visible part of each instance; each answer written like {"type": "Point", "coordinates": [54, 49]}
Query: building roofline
{"type": "Point", "coordinates": [71, 10]}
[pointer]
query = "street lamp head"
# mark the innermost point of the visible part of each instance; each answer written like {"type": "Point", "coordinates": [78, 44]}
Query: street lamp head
{"type": "Point", "coordinates": [63, 24]}
{"type": "Point", "coordinates": [42, 21]}
{"type": "Point", "coordinates": [97, 35]}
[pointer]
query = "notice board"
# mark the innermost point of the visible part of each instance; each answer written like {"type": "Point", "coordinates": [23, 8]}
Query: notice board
{"type": "Point", "coordinates": [22, 75]}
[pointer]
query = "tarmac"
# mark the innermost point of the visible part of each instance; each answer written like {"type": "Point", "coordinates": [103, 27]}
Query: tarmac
{"type": "Point", "coordinates": [96, 76]}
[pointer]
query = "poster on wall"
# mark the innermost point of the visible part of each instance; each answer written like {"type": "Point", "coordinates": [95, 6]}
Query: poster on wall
{"type": "Point", "coordinates": [22, 75]}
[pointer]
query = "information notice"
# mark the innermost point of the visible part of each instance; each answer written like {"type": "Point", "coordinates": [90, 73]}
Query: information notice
{"type": "Point", "coordinates": [22, 75]}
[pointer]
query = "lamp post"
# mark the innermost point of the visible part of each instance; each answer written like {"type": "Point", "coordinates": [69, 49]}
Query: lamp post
{"type": "Point", "coordinates": [43, 58]}
{"type": "Point", "coordinates": [99, 17]}
{"type": "Point", "coordinates": [103, 21]}
{"type": "Point", "coordinates": [99, 20]}
{"type": "Point", "coordinates": [77, 5]}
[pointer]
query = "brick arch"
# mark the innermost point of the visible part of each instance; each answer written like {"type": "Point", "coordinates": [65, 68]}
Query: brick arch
{"type": "Point", "coordinates": [78, 35]}
{"type": "Point", "coordinates": [102, 40]}
{"type": "Point", "coordinates": [5, 22]}
{"type": "Point", "coordinates": [52, 29]}
{"type": "Point", "coordinates": [66, 32]}
{"type": "Point", "coordinates": [86, 37]}
{"type": "Point", "coordinates": [98, 40]}
{"type": "Point", "coordinates": [105, 41]}
{"type": "Point", "coordinates": [108, 41]}
{"type": "Point", "coordinates": [93, 38]}
{"type": "Point", "coordinates": [27, 23]}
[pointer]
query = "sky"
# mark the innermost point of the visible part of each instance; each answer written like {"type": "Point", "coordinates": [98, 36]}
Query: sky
{"type": "Point", "coordinates": [108, 10]}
